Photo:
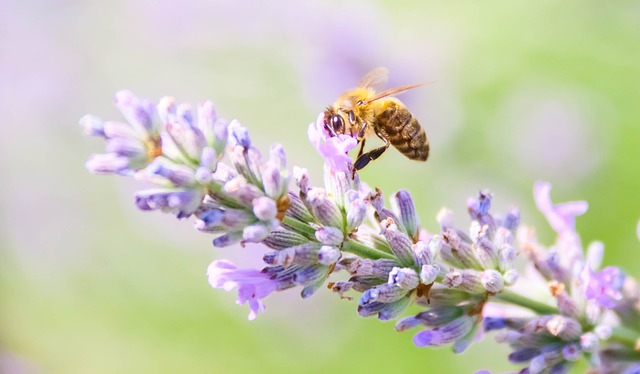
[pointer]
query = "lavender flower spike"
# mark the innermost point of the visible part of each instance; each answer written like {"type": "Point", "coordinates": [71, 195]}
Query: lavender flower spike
{"type": "Point", "coordinates": [458, 277]}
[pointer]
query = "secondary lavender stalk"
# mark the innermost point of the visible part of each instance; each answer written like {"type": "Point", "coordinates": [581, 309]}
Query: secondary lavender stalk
{"type": "Point", "coordinates": [207, 167]}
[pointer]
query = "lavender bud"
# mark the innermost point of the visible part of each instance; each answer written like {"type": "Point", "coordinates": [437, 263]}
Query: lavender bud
{"type": "Point", "coordinates": [452, 279]}
{"type": "Point", "coordinates": [242, 191]}
{"type": "Point", "coordinates": [337, 184]}
{"type": "Point", "coordinates": [227, 239]}
{"type": "Point", "coordinates": [565, 328]}
{"type": "Point", "coordinates": [429, 273]}
{"type": "Point", "coordinates": [389, 311]}
{"type": "Point", "coordinates": [138, 113]}
{"type": "Point", "coordinates": [506, 257]}
{"type": "Point", "coordinates": [298, 210]}
{"type": "Point", "coordinates": [238, 135]}
{"type": "Point", "coordinates": [512, 220]}
{"type": "Point", "coordinates": [310, 289]}
{"type": "Point", "coordinates": [206, 118]}
{"type": "Point", "coordinates": [405, 278]}
{"type": "Point", "coordinates": [571, 352]}
{"type": "Point", "coordinates": [328, 255]}
{"type": "Point", "coordinates": [356, 210]}
{"type": "Point", "coordinates": [309, 275]}
{"type": "Point", "coordinates": [399, 242]}
{"type": "Point", "coordinates": [408, 215]}
{"type": "Point", "coordinates": [466, 280]}
{"type": "Point", "coordinates": [458, 252]}
{"type": "Point", "coordinates": [440, 315]}
{"type": "Point", "coordinates": [220, 136]}
{"type": "Point", "coordinates": [493, 323]}
{"type": "Point", "coordinates": [304, 254]}
{"type": "Point", "coordinates": [329, 235]}
{"type": "Point", "coordinates": [301, 176]}
{"type": "Point", "coordinates": [164, 172]}
{"type": "Point", "coordinates": [189, 140]}
{"type": "Point", "coordinates": [275, 183]}
{"type": "Point", "coordinates": [486, 253]}
{"type": "Point", "coordinates": [422, 253]}
{"type": "Point", "coordinates": [523, 354]}
{"type": "Point", "coordinates": [209, 218]}
{"type": "Point", "coordinates": [446, 334]}
{"type": "Point", "coordinates": [92, 126]}
{"type": "Point", "coordinates": [445, 296]}
{"type": "Point", "coordinates": [209, 158]}
{"type": "Point", "coordinates": [237, 219]}
{"type": "Point", "coordinates": [503, 237]}
{"type": "Point", "coordinates": [277, 156]}
{"type": "Point", "coordinates": [566, 305]}
{"type": "Point", "coordinates": [341, 288]}
{"type": "Point", "coordinates": [264, 208]}
{"type": "Point", "coordinates": [224, 174]}
{"type": "Point", "coordinates": [107, 164]}
{"type": "Point", "coordinates": [445, 218]}
{"type": "Point", "coordinates": [324, 209]}
{"type": "Point", "coordinates": [203, 176]}
{"type": "Point", "coordinates": [184, 111]}
{"type": "Point", "coordinates": [377, 268]}
{"type": "Point", "coordinates": [407, 323]}
{"type": "Point", "coordinates": [381, 213]}
{"type": "Point", "coordinates": [589, 342]}
{"type": "Point", "coordinates": [384, 293]}
{"type": "Point", "coordinates": [255, 233]}
{"type": "Point", "coordinates": [281, 238]}
{"type": "Point", "coordinates": [492, 281]}
{"type": "Point", "coordinates": [510, 277]}
{"type": "Point", "coordinates": [362, 283]}
{"type": "Point", "coordinates": [113, 129]}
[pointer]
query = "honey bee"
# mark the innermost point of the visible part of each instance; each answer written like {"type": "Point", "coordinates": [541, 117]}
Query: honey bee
{"type": "Point", "coordinates": [363, 112]}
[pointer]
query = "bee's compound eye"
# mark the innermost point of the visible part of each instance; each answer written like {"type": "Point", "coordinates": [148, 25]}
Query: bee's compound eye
{"type": "Point", "coordinates": [337, 123]}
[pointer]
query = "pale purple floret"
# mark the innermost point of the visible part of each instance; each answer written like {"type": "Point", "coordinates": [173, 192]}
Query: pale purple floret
{"type": "Point", "coordinates": [604, 286]}
{"type": "Point", "coordinates": [253, 285]}
{"type": "Point", "coordinates": [332, 148]}
{"type": "Point", "coordinates": [561, 217]}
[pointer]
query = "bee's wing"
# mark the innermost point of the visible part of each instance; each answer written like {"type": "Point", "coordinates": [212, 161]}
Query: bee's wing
{"type": "Point", "coordinates": [395, 90]}
{"type": "Point", "coordinates": [375, 78]}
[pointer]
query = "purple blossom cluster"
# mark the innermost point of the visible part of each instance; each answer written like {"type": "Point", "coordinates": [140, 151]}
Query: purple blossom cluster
{"type": "Point", "coordinates": [343, 236]}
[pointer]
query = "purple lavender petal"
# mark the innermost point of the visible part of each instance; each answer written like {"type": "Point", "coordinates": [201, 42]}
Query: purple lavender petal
{"type": "Point", "coordinates": [137, 112]}
{"type": "Point", "coordinates": [253, 285]}
{"type": "Point", "coordinates": [333, 149]}
{"type": "Point", "coordinates": [446, 334]}
{"type": "Point", "coordinates": [603, 287]}
{"type": "Point", "coordinates": [561, 217]}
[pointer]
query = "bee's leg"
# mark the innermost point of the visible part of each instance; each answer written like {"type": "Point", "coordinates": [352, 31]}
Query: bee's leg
{"type": "Point", "coordinates": [362, 139]}
{"type": "Point", "coordinates": [363, 160]}
{"type": "Point", "coordinates": [361, 148]}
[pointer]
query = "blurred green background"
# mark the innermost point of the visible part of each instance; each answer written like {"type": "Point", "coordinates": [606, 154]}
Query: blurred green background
{"type": "Point", "coordinates": [543, 90]}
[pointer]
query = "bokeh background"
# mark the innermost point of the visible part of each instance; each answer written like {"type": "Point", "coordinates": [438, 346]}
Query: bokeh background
{"type": "Point", "coordinates": [544, 90]}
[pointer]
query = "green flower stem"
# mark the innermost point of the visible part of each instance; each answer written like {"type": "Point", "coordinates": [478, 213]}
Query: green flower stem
{"type": "Point", "coordinates": [301, 227]}
{"type": "Point", "coordinates": [625, 336]}
{"type": "Point", "coordinates": [365, 251]}
{"type": "Point", "coordinates": [511, 297]}
{"type": "Point", "coordinates": [350, 246]}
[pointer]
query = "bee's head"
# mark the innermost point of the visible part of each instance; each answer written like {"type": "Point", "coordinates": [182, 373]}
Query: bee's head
{"type": "Point", "coordinates": [334, 122]}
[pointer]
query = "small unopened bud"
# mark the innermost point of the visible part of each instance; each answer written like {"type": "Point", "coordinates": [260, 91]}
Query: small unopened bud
{"type": "Point", "coordinates": [329, 235]}
{"type": "Point", "coordinates": [405, 278]}
{"type": "Point", "coordinates": [492, 281]}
